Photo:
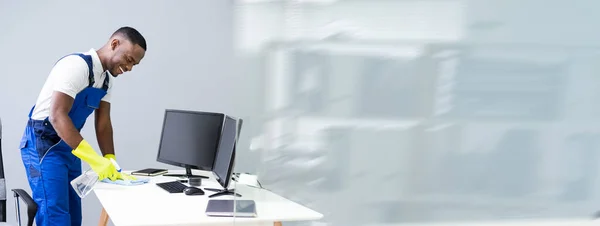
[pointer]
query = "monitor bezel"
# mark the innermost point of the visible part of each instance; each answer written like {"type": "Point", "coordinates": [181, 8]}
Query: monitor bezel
{"type": "Point", "coordinates": [184, 165]}
{"type": "Point", "coordinates": [225, 183]}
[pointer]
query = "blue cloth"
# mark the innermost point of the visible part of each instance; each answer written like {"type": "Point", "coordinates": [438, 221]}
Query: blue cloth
{"type": "Point", "coordinates": [139, 181]}
{"type": "Point", "coordinates": [49, 163]}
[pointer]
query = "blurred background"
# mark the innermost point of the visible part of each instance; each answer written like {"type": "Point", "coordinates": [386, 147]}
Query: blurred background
{"type": "Point", "coordinates": [384, 112]}
{"type": "Point", "coordinates": [371, 112]}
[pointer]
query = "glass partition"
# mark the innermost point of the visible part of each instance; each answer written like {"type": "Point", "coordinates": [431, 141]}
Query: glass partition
{"type": "Point", "coordinates": [471, 111]}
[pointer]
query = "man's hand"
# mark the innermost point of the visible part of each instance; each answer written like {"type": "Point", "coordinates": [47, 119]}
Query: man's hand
{"type": "Point", "coordinates": [59, 117]}
{"type": "Point", "coordinates": [121, 175]}
{"type": "Point", "coordinates": [102, 166]}
{"type": "Point", "coordinates": [110, 156]}
{"type": "Point", "coordinates": [124, 176]}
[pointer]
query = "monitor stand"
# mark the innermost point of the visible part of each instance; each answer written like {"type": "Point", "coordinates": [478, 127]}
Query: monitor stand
{"type": "Point", "coordinates": [222, 192]}
{"type": "Point", "coordinates": [188, 174]}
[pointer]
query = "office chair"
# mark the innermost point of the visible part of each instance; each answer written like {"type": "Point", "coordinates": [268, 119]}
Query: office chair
{"type": "Point", "coordinates": [18, 193]}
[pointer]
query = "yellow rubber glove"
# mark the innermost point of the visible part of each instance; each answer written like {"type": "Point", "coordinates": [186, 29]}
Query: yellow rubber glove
{"type": "Point", "coordinates": [110, 156]}
{"type": "Point", "coordinates": [124, 176]}
{"type": "Point", "coordinates": [121, 175]}
{"type": "Point", "coordinates": [101, 165]}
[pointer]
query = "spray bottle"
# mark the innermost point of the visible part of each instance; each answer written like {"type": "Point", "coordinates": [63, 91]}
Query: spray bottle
{"type": "Point", "coordinates": [85, 182]}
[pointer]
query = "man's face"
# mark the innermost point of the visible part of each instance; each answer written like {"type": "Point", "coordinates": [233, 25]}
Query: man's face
{"type": "Point", "coordinates": [125, 55]}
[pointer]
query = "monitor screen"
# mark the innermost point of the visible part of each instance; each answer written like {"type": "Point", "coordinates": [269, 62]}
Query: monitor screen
{"type": "Point", "coordinates": [223, 164]}
{"type": "Point", "coordinates": [190, 139]}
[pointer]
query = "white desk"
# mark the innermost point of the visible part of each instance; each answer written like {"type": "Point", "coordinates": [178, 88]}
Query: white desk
{"type": "Point", "coordinates": [149, 204]}
{"type": "Point", "coordinates": [530, 222]}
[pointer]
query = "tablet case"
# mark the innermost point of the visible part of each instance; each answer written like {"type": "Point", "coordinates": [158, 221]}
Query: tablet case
{"type": "Point", "coordinates": [224, 208]}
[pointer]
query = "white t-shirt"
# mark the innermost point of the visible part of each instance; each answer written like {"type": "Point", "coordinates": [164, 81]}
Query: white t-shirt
{"type": "Point", "coordinates": [70, 76]}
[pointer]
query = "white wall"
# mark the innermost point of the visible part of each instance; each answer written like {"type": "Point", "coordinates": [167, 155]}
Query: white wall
{"type": "Point", "coordinates": [188, 65]}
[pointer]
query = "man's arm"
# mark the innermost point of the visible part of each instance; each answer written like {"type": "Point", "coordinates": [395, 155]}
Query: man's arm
{"type": "Point", "coordinates": [59, 117]}
{"type": "Point", "coordinates": [104, 130]}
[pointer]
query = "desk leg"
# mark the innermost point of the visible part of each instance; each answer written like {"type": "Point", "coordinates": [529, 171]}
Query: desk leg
{"type": "Point", "coordinates": [277, 223]}
{"type": "Point", "coordinates": [103, 218]}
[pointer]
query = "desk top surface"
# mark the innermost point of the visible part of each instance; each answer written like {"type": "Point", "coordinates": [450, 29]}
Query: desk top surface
{"type": "Point", "coordinates": [149, 204]}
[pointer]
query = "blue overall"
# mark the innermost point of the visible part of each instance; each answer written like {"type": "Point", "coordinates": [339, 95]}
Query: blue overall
{"type": "Point", "coordinates": [49, 163]}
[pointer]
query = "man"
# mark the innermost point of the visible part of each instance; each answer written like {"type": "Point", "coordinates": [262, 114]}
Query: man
{"type": "Point", "coordinates": [52, 147]}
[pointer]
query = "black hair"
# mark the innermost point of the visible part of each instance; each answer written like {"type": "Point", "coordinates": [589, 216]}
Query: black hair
{"type": "Point", "coordinates": [133, 35]}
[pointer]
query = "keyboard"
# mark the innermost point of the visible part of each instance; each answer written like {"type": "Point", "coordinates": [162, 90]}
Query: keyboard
{"type": "Point", "coordinates": [172, 186]}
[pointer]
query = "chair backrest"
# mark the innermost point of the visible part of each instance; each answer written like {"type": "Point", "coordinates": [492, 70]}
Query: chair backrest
{"type": "Point", "coordinates": [2, 182]}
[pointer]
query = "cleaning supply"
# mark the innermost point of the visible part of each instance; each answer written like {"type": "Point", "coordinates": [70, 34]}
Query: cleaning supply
{"type": "Point", "coordinates": [127, 182]}
{"type": "Point", "coordinates": [84, 183]}
{"type": "Point", "coordinates": [102, 166]}
{"type": "Point", "coordinates": [124, 179]}
{"type": "Point", "coordinates": [87, 180]}
{"type": "Point", "coordinates": [121, 176]}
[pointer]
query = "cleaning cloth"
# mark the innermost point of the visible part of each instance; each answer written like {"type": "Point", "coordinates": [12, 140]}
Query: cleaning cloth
{"type": "Point", "coordinates": [138, 181]}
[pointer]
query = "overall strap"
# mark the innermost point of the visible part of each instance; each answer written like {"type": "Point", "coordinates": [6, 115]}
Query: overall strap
{"type": "Point", "coordinates": [90, 64]}
{"type": "Point", "coordinates": [88, 60]}
{"type": "Point", "coordinates": [105, 83]}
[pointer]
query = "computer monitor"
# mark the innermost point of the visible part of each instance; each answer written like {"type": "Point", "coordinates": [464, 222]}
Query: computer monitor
{"type": "Point", "coordinates": [190, 139]}
{"type": "Point", "coordinates": [225, 156]}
